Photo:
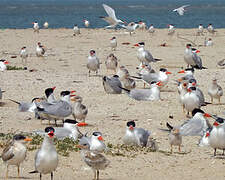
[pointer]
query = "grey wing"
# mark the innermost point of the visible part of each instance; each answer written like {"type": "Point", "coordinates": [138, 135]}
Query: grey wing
{"type": "Point", "coordinates": [115, 84]}
{"type": "Point", "coordinates": [108, 20]}
{"type": "Point", "coordinates": [196, 59]}
{"type": "Point", "coordinates": [220, 90]}
{"type": "Point", "coordinates": [199, 62]}
{"type": "Point", "coordinates": [24, 107]}
{"type": "Point", "coordinates": [149, 56]}
{"type": "Point", "coordinates": [150, 77]}
{"type": "Point", "coordinates": [143, 136]}
{"type": "Point", "coordinates": [139, 94]}
{"type": "Point", "coordinates": [192, 127]}
{"type": "Point", "coordinates": [200, 96]}
{"type": "Point", "coordinates": [85, 140]}
{"type": "Point", "coordinates": [7, 153]}
{"type": "Point", "coordinates": [95, 159]}
{"type": "Point", "coordinates": [62, 133]}
{"type": "Point", "coordinates": [61, 109]}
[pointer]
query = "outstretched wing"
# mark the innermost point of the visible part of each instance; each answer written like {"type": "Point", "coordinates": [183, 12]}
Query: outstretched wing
{"type": "Point", "coordinates": [110, 11]}
{"type": "Point", "coordinates": [184, 6]}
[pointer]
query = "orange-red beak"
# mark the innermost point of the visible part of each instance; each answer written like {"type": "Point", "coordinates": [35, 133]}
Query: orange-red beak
{"type": "Point", "coordinates": [197, 51]}
{"type": "Point", "coordinates": [182, 71]}
{"type": "Point", "coordinates": [54, 87]}
{"type": "Point", "coordinates": [27, 139]}
{"type": "Point", "coordinates": [82, 124]}
{"type": "Point", "coordinates": [136, 45]}
{"type": "Point", "coordinates": [193, 84]}
{"type": "Point", "coordinates": [51, 134]}
{"type": "Point", "coordinates": [100, 138]}
{"type": "Point", "coordinates": [207, 115]}
{"type": "Point", "coordinates": [215, 124]}
{"type": "Point", "coordinates": [131, 127]}
{"type": "Point", "coordinates": [189, 90]}
{"type": "Point", "coordinates": [207, 134]}
{"type": "Point", "coordinates": [159, 83]}
{"type": "Point", "coordinates": [168, 72]}
{"type": "Point", "coordinates": [6, 62]}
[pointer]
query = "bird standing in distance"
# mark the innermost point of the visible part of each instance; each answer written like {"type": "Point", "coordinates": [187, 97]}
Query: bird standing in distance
{"type": "Point", "coordinates": [40, 50]}
{"type": "Point", "coordinates": [86, 23]}
{"type": "Point", "coordinates": [200, 30]}
{"type": "Point", "coordinates": [76, 30]}
{"type": "Point", "coordinates": [45, 25]}
{"type": "Point", "coordinates": [15, 152]}
{"type": "Point", "coordinates": [93, 63]}
{"type": "Point", "coordinates": [24, 55]}
{"type": "Point", "coordinates": [35, 26]}
{"type": "Point", "coordinates": [175, 139]}
{"type": "Point", "coordinates": [111, 63]}
{"type": "Point", "coordinates": [113, 43]}
{"type": "Point", "coordinates": [151, 29]}
{"type": "Point", "coordinates": [215, 90]}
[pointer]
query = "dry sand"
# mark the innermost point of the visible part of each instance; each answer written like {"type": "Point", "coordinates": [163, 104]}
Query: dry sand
{"type": "Point", "coordinates": [65, 68]}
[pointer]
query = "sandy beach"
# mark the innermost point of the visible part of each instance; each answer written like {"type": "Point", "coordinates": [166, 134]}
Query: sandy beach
{"type": "Point", "coordinates": [65, 67]}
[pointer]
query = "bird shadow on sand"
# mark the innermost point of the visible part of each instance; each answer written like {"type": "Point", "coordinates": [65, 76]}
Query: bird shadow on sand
{"type": "Point", "coordinates": [12, 177]}
{"type": "Point", "coordinates": [168, 153]}
{"type": "Point", "coordinates": [2, 104]}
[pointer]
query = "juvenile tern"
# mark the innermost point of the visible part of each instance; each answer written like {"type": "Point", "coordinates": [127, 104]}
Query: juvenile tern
{"type": "Point", "coordinates": [111, 62]}
{"type": "Point", "coordinates": [215, 90]}
{"type": "Point", "coordinates": [15, 152]}
{"type": "Point", "coordinates": [122, 72]}
{"type": "Point", "coordinates": [135, 136]}
{"type": "Point", "coordinates": [46, 159]}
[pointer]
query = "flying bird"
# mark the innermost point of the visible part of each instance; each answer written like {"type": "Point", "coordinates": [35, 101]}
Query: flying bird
{"type": "Point", "coordinates": [181, 10]}
{"type": "Point", "coordinates": [111, 18]}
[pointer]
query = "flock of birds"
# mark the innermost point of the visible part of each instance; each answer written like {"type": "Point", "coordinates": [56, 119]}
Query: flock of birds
{"type": "Point", "coordinates": [51, 109]}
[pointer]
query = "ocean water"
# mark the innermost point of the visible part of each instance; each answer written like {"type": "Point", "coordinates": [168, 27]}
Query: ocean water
{"type": "Point", "coordinates": [65, 13]}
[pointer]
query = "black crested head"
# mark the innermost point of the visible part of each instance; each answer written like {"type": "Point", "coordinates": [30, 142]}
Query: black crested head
{"type": "Point", "coordinates": [70, 121]}
{"type": "Point", "coordinates": [97, 134]}
{"type": "Point", "coordinates": [48, 92]}
{"type": "Point", "coordinates": [2, 60]}
{"type": "Point", "coordinates": [49, 129]}
{"type": "Point", "coordinates": [113, 37]}
{"type": "Point", "coordinates": [188, 45]}
{"type": "Point", "coordinates": [193, 88]}
{"type": "Point", "coordinates": [197, 111]}
{"type": "Point", "coordinates": [162, 69]}
{"type": "Point", "coordinates": [193, 49]}
{"type": "Point", "coordinates": [153, 82]}
{"type": "Point", "coordinates": [192, 81]}
{"type": "Point", "coordinates": [131, 123]}
{"type": "Point", "coordinates": [92, 51]}
{"type": "Point", "coordinates": [18, 137]}
{"type": "Point", "coordinates": [34, 99]}
{"type": "Point", "coordinates": [104, 78]}
{"type": "Point", "coordinates": [65, 93]}
{"type": "Point", "coordinates": [141, 43]}
{"type": "Point", "coordinates": [115, 76]}
{"type": "Point", "coordinates": [220, 120]}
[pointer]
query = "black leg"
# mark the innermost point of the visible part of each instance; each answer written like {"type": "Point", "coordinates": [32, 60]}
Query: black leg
{"type": "Point", "coordinates": [215, 152]}
{"type": "Point", "coordinates": [223, 152]}
{"type": "Point", "coordinates": [40, 176]}
{"type": "Point", "coordinates": [97, 174]}
{"type": "Point", "coordinates": [51, 175]}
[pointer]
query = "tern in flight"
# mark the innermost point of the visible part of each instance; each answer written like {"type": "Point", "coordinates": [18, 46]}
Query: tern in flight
{"type": "Point", "coordinates": [181, 10]}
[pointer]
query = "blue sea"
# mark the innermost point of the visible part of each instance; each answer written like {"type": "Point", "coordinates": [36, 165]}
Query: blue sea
{"type": "Point", "coordinates": [65, 13]}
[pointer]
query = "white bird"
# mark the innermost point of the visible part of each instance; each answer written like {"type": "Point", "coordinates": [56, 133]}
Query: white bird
{"type": "Point", "coordinates": [86, 23]}
{"type": "Point", "coordinates": [131, 27]}
{"type": "Point", "coordinates": [3, 64]}
{"type": "Point", "coordinates": [215, 90]}
{"type": "Point", "coordinates": [142, 25]}
{"type": "Point", "coordinates": [112, 84]}
{"type": "Point", "coordinates": [200, 30]}
{"type": "Point", "coordinates": [46, 159]}
{"type": "Point", "coordinates": [93, 159]}
{"type": "Point", "coordinates": [113, 43]}
{"type": "Point", "coordinates": [143, 55]}
{"type": "Point", "coordinates": [95, 142]}
{"type": "Point", "coordinates": [145, 94]}
{"type": "Point", "coordinates": [151, 29]}
{"type": "Point", "coordinates": [46, 25]}
{"type": "Point", "coordinates": [111, 62]}
{"type": "Point", "coordinates": [69, 130]}
{"type": "Point", "coordinates": [40, 50]}
{"type": "Point", "coordinates": [135, 136]}
{"type": "Point", "coordinates": [111, 18]}
{"type": "Point", "coordinates": [208, 42]}
{"type": "Point", "coordinates": [211, 29]}
{"type": "Point", "coordinates": [217, 134]}
{"type": "Point", "coordinates": [93, 63]}
{"type": "Point", "coordinates": [76, 30]}
{"type": "Point", "coordinates": [80, 111]}
{"type": "Point", "coordinates": [24, 55]}
{"type": "Point", "coordinates": [171, 29]}
{"type": "Point", "coordinates": [15, 152]}
{"type": "Point", "coordinates": [181, 10]}
{"type": "Point", "coordinates": [35, 26]}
